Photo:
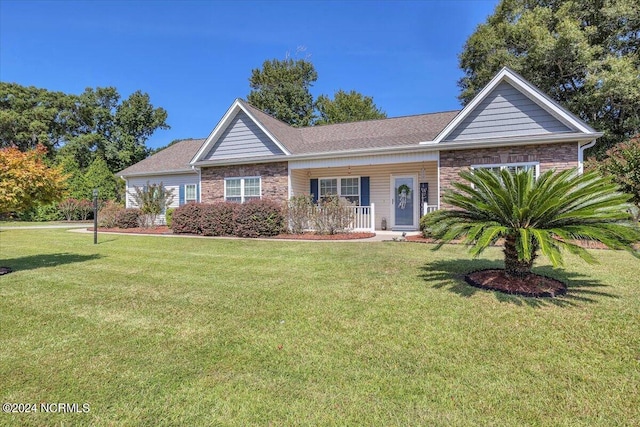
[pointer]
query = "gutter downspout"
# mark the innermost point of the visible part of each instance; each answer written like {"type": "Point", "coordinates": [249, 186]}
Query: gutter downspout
{"type": "Point", "coordinates": [195, 169]}
{"type": "Point", "coordinates": [126, 191]}
{"type": "Point", "coordinates": [581, 155]}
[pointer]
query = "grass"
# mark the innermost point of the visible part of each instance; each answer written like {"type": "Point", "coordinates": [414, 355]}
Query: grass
{"type": "Point", "coordinates": [177, 331]}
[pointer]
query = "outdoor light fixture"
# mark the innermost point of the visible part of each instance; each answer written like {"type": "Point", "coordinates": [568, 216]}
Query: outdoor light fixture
{"type": "Point", "coordinates": [95, 216]}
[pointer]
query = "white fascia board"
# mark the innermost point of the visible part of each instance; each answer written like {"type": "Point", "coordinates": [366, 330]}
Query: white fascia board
{"type": "Point", "coordinates": [314, 156]}
{"type": "Point", "coordinates": [159, 173]}
{"type": "Point", "coordinates": [525, 140]}
{"type": "Point", "coordinates": [525, 87]}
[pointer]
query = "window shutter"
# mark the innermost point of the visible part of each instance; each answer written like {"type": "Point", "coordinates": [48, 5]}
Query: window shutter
{"type": "Point", "coordinates": [364, 191]}
{"type": "Point", "coordinates": [198, 192]}
{"type": "Point", "coordinates": [181, 197]}
{"type": "Point", "coordinates": [313, 189]}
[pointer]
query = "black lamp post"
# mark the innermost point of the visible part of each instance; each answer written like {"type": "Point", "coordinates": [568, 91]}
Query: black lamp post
{"type": "Point", "coordinates": [95, 216]}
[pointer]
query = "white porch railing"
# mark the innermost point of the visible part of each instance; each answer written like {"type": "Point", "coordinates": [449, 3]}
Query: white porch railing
{"type": "Point", "coordinates": [364, 218]}
{"type": "Point", "coordinates": [426, 208]}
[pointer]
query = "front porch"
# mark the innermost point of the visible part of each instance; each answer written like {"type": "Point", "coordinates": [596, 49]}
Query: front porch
{"type": "Point", "coordinates": [388, 196]}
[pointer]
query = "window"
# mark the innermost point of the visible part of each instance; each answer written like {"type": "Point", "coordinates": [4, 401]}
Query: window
{"type": "Point", "coordinates": [349, 188]}
{"type": "Point", "coordinates": [241, 190]}
{"type": "Point", "coordinates": [190, 194]}
{"type": "Point", "coordinates": [512, 167]}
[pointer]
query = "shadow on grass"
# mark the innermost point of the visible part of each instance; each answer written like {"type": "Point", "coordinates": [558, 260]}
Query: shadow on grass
{"type": "Point", "coordinates": [450, 274]}
{"type": "Point", "coordinates": [33, 262]}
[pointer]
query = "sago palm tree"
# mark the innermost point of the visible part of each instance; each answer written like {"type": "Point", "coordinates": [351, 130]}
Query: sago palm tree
{"type": "Point", "coordinates": [546, 214]}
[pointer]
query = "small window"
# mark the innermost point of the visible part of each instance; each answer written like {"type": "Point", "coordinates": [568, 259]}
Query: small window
{"type": "Point", "coordinates": [512, 167]}
{"type": "Point", "coordinates": [190, 193]}
{"type": "Point", "coordinates": [241, 190]}
{"type": "Point", "coordinates": [348, 187]}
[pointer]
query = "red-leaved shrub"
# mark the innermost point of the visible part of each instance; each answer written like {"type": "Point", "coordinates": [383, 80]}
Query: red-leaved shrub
{"type": "Point", "coordinates": [258, 218]}
{"type": "Point", "coordinates": [128, 218]}
{"type": "Point", "coordinates": [217, 219]}
{"type": "Point", "coordinates": [186, 218]}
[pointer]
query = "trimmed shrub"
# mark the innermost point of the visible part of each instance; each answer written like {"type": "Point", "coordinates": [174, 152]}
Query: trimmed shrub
{"type": "Point", "coordinates": [300, 210]}
{"type": "Point", "coordinates": [168, 216]}
{"type": "Point", "coordinates": [128, 218]}
{"type": "Point", "coordinates": [41, 213]}
{"type": "Point", "coordinates": [186, 218]}
{"type": "Point", "coordinates": [108, 214]}
{"type": "Point", "coordinates": [258, 218]}
{"type": "Point", "coordinates": [333, 215]}
{"type": "Point", "coordinates": [217, 219]}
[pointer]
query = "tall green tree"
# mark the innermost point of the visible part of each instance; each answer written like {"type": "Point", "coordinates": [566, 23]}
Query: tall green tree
{"type": "Point", "coordinates": [95, 123]}
{"type": "Point", "coordinates": [583, 53]}
{"type": "Point", "coordinates": [347, 107]}
{"type": "Point", "coordinates": [281, 88]}
{"type": "Point", "coordinates": [534, 215]}
{"type": "Point", "coordinates": [30, 116]}
{"type": "Point", "coordinates": [98, 176]}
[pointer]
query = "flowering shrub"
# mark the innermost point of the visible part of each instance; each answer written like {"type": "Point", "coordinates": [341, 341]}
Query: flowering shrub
{"type": "Point", "coordinates": [300, 211]}
{"type": "Point", "coordinates": [333, 215]}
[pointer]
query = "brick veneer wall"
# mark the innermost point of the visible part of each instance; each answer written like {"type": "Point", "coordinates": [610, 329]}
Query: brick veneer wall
{"type": "Point", "coordinates": [550, 156]}
{"type": "Point", "coordinates": [274, 180]}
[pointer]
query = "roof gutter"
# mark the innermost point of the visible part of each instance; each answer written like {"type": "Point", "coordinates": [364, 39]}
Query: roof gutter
{"type": "Point", "coordinates": [418, 148]}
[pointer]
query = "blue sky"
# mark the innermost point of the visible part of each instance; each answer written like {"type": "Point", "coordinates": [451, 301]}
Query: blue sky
{"type": "Point", "coordinates": [195, 57]}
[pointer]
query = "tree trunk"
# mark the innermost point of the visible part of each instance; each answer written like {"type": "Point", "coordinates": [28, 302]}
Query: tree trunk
{"type": "Point", "coordinates": [512, 265]}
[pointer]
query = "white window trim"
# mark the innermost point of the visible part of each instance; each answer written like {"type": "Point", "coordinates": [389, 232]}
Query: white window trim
{"type": "Point", "coordinates": [195, 192]}
{"type": "Point", "coordinates": [339, 186]}
{"type": "Point", "coordinates": [242, 180]}
{"type": "Point", "coordinates": [536, 165]}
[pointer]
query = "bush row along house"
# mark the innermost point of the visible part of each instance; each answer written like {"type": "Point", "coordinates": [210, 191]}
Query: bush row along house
{"type": "Point", "coordinates": [393, 169]}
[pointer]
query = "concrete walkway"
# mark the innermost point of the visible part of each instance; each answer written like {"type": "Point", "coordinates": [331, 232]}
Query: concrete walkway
{"type": "Point", "coordinates": [381, 236]}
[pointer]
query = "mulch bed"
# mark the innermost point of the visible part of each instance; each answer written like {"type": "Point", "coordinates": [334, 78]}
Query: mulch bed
{"type": "Point", "coordinates": [313, 236]}
{"type": "Point", "coordinates": [5, 270]}
{"type": "Point", "coordinates": [306, 236]}
{"type": "Point", "coordinates": [533, 285]}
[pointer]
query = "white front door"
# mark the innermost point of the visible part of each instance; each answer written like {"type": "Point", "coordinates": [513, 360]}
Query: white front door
{"type": "Point", "coordinates": [404, 209]}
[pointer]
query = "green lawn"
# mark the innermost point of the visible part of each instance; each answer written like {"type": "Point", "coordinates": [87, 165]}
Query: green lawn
{"type": "Point", "coordinates": [178, 331]}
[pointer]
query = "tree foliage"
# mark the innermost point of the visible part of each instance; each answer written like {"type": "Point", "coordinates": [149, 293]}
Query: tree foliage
{"type": "Point", "coordinates": [584, 54]}
{"type": "Point", "coordinates": [98, 176]}
{"type": "Point", "coordinates": [545, 214]}
{"type": "Point", "coordinates": [347, 107]}
{"type": "Point", "coordinates": [94, 123]}
{"type": "Point", "coordinates": [281, 88]}
{"type": "Point", "coordinates": [26, 180]}
{"type": "Point", "coordinates": [623, 164]}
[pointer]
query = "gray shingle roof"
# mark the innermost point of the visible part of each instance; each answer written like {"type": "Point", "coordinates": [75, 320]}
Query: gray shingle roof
{"type": "Point", "coordinates": [393, 132]}
{"type": "Point", "coordinates": [172, 159]}
{"type": "Point", "coordinates": [397, 131]}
